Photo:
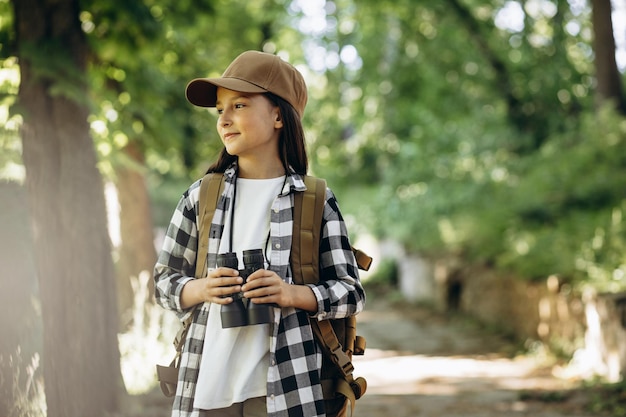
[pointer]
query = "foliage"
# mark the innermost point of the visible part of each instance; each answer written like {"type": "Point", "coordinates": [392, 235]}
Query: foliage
{"type": "Point", "coordinates": [472, 145]}
{"type": "Point", "coordinates": [569, 202]}
{"type": "Point", "coordinates": [10, 157]}
{"type": "Point", "coordinates": [140, 71]}
{"type": "Point", "coordinates": [135, 80]}
{"type": "Point", "coordinates": [460, 127]}
{"type": "Point", "coordinates": [608, 399]}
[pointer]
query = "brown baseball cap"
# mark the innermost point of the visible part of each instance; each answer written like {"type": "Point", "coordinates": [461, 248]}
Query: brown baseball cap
{"type": "Point", "coordinates": [253, 72]}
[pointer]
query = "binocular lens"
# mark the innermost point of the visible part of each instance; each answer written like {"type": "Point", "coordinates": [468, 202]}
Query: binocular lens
{"type": "Point", "coordinates": [227, 260]}
{"type": "Point", "coordinates": [253, 259]}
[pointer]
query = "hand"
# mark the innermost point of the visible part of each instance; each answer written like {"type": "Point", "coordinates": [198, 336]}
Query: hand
{"type": "Point", "coordinates": [266, 287]}
{"type": "Point", "coordinates": [219, 282]}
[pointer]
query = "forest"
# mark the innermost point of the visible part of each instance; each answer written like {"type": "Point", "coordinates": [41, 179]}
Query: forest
{"type": "Point", "coordinates": [490, 132]}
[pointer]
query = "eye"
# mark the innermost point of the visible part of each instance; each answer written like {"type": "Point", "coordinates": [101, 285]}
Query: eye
{"type": "Point", "coordinates": [239, 106]}
{"type": "Point", "coordinates": [220, 111]}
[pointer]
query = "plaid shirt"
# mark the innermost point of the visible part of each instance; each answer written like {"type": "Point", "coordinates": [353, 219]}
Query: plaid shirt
{"type": "Point", "coordinates": [293, 380]}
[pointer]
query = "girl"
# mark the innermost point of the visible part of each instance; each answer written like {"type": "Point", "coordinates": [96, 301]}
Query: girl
{"type": "Point", "coordinates": [267, 369]}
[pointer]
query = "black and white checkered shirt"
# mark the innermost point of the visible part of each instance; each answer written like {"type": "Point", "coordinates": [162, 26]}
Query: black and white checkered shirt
{"type": "Point", "coordinates": [293, 381]}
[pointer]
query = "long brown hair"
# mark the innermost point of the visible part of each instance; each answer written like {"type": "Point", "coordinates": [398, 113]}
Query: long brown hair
{"type": "Point", "coordinates": [291, 142]}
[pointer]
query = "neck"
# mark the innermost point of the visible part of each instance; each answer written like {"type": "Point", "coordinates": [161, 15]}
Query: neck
{"type": "Point", "coordinates": [273, 169]}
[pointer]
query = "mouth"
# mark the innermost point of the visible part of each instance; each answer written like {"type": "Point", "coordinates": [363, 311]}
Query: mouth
{"type": "Point", "coordinates": [228, 136]}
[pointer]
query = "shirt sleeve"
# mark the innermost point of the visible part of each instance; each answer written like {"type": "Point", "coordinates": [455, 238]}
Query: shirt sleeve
{"type": "Point", "coordinates": [176, 261]}
{"type": "Point", "coordinates": [339, 291]}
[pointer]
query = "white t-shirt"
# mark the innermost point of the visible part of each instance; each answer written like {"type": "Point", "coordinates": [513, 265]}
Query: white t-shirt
{"type": "Point", "coordinates": [235, 360]}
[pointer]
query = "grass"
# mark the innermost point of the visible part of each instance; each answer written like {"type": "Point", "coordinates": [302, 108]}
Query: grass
{"type": "Point", "coordinates": [27, 390]}
{"type": "Point", "coordinates": [147, 342]}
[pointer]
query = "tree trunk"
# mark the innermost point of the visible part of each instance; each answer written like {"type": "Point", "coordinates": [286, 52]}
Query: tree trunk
{"type": "Point", "coordinates": [66, 199]}
{"type": "Point", "coordinates": [609, 84]}
{"type": "Point", "coordinates": [136, 253]}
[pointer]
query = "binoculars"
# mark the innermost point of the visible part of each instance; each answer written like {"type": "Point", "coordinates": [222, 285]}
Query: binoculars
{"type": "Point", "coordinates": [242, 312]}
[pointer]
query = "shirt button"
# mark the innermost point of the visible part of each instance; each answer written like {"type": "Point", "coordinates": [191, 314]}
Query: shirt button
{"type": "Point", "coordinates": [276, 209]}
{"type": "Point", "coordinates": [277, 246]}
{"type": "Point", "coordinates": [273, 362]}
{"type": "Point", "coordinates": [272, 397]}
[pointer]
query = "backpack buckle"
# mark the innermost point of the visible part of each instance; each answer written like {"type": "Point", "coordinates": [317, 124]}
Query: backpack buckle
{"type": "Point", "coordinates": [342, 360]}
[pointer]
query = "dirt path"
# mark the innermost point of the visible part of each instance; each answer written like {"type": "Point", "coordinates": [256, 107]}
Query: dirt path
{"type": "Point", "coordinates": [423, 364]}
{"type": "Point", "coordinates": [419, 363]}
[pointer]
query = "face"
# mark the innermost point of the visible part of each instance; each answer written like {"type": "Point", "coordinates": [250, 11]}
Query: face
{"type": "Point", "coordinates": [248, 124]}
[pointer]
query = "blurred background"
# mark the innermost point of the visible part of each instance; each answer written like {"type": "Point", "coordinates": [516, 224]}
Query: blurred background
{"type": "Point", "coordinates": [477, 150]}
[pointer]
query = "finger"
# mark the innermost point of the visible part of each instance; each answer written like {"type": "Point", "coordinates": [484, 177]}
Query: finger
{"type": "Point", "coordinates": [257, 285]}
{"type": "Point", "coordinates": [223, 295]}
{"type": "Point", "coordinates": [264, 279]}
{"type": "Point", "coordinates": [224, 282]}
{"type": "Point", "coordinates": [227, 290]}
{"type": "Point", "coordinates": [260, 292]}
{"type": "Point", "coordinates": [221, 300]}
{"type": "Point", "coordinates": [274, 299]}
{"type": "Point", "coordinates": [223, 272]}
{"type": "Point", "coordinates": [259, 273]}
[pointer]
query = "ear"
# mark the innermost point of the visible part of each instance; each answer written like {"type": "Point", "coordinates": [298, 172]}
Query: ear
{"type": "Point", "coordinates": [278, 121]}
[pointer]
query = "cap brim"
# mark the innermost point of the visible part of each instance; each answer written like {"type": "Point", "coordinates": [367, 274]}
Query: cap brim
{"type": "Point", "coordinates": [203, 91]}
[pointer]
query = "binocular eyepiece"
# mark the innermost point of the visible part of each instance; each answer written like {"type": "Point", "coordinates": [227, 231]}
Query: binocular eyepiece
{"type": "Point", "coordinates": [241, 312]}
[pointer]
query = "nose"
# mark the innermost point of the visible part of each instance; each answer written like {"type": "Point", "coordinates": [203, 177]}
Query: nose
{"type": "Point", "coordinates": [224, 118]}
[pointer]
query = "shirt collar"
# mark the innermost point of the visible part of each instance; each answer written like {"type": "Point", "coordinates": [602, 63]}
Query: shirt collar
{"type": "Point", "coordinates": [294, 182]}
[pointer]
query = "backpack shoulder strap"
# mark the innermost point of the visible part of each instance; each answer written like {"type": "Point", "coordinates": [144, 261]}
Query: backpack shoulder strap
{"type": "Point", "coordinates": [211, 188]}
{"type": "Point", "coordinates": [307, 219]}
